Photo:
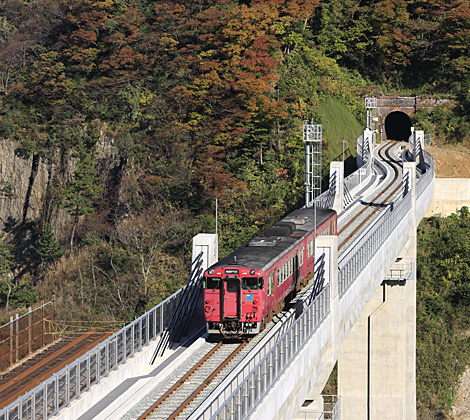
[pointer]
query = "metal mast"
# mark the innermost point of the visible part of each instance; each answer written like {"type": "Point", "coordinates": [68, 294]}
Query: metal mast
{"type": "Point", "coordinates": [313, 150]}
{"type": "Point", "coordinates": [370, 104]}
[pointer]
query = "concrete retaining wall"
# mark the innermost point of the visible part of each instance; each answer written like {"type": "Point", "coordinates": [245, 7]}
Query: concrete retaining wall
{"type": "Point", "coordinates": [450, 194]}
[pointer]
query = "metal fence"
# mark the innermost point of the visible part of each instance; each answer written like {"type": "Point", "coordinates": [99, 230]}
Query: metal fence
{"type": "Point", "coordinates": [240, 397]}
{"type": "Point", "coordinates": [27, 333]}
{"type": "Point", "coordinates": [331, 410]}
{"type": "Point", "coordinates": [428, 176]}
{"type": "Point", "coordinates": [356, 260]}
{"type": "Point", "coordinates": [355, 179]}
{"type": "Point", "coordinates": [402, 271]}
{"type": "Point", "coordinates": [48, 398]}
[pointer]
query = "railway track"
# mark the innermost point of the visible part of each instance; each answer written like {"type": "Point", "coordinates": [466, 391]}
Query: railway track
{"type": "Point", "coordinates": [277, 327]}
{"type": "Point", "coordinates": [172, 403]}
{"type": "Point", "coordinates": [177, 397]}
{"type": "Point", "coordinates": [378, 202]}
{"type": "Point", "coordinates": [28, 375]}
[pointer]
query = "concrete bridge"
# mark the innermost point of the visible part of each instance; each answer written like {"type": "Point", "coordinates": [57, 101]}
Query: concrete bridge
{"type": "Point", "coordinates": [364, 319]}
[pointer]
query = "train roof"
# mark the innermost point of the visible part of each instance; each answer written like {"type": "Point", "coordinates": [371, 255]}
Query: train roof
{"type": "Point", "coordinates": [276, 240]}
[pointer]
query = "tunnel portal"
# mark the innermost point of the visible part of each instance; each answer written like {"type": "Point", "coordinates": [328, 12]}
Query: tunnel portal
{"type": "Point", "coordinates": [398, 126]}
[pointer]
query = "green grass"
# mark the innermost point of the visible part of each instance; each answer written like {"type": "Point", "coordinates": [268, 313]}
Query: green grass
{"type": "Point", "coordinates": [338, 124]}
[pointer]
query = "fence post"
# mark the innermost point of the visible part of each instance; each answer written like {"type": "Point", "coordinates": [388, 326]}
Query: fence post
{"type": "Point", "coordinates": [17, 337]}
{"type": "Point", "coordinates": [54, 337]}
{"type": "Point", "coordinates": [29, 330]}
{"type": "Point", "coordinates": [42, 323]}
{"type": "Point", "coordinates": [11, 340]}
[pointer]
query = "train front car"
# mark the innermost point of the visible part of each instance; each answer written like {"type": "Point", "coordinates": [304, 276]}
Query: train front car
{"type": "Point", "coordinates": [246, 288]}
{"type": "Point", "coordinates": [233, 300]}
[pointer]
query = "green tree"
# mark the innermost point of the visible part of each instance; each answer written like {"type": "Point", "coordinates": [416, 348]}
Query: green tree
{"type": "Point", "coordinates": [82, 191]}
{"type": "Point", "coordinates": [47, 247]}
{"type": "Point", "coordinates": [6, 264]}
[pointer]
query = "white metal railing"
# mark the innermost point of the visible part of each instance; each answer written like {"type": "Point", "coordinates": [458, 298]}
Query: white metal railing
{"type": "Point", "coordinates": [370, 244]}
{"type": "Point", "coordinates": [401, 271]}
{"type": "Point", "coordinates": [428, 176]}
{"type": "Point", "coordinates": [239, 398]}
{"type": "Point", "coordinates": [58, 391]}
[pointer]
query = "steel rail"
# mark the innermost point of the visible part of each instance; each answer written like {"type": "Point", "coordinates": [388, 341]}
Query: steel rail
{"type": "Point", "coordinates": [375, 198]}
{"type": "Point", "coordinates": [204, 384]}
{"type": "Point", "coordinates": [28, 379]}
{"type": "Point", "coordinates": [380, 205]}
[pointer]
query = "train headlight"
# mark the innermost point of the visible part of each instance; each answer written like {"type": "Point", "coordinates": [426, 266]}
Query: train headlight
{"type": "Point", "coordinates": [211, 271]}
{"type": "Point", "coordinates": [207, 309]}
{"type": "Point", "coordinates": [255, 309]}
{"type": "Point", "coordinates": [255, 302]}
{"type": "Point", "coordinates": [252, 272]}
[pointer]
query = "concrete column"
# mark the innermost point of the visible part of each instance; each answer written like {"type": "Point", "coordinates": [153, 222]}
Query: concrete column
{"type": "Point", "coordinates": [377, 363]}
{"type": "Point", "coordinates": [209, 245]}
{"type": "Point", "coordinates": [327, 245]}
{"type": "Point", "coordinates": [410, 305]}
{"type": "Point", "coordinates": [419, 142]}
{"type": "Point", "coordinates": [337, 171]}
{"type": "Point", "coordinates": [376, 367]}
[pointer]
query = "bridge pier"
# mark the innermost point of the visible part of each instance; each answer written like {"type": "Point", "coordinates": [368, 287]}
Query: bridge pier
{"type": "Point", "coordinates": [377, 362]}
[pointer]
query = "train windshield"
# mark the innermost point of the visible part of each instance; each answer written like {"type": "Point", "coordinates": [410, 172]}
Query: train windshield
{"type": "Point", "coordinates": [252, 283]}
{"type": "Point", "coordinates": [212, 283]}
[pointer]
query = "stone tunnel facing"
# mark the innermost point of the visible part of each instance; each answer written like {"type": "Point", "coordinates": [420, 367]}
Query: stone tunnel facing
{"type": "Point", "coordinates": [397, 126]}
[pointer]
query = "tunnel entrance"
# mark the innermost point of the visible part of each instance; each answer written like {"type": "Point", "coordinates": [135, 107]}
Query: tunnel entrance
{"type": "Point", "coordinates": [398, 126]}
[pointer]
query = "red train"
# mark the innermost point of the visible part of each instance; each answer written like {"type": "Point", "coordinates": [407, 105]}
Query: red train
{"type": "Point", "coordinates": [244, 290]}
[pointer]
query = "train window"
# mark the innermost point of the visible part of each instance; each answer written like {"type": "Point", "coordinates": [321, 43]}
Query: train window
{"type": "Point", "coordinates": [211, 283]}
{"type": "Point", "coordinates": [309, 249]}
{"type": "Point", "coordinates": [232, 285]}
{"type": "Point", "coordinates": [278, 276]}
{"type": "Point", "coordinates": [271, 283]}
{"type": "Point", "coordinates": [252, 283]}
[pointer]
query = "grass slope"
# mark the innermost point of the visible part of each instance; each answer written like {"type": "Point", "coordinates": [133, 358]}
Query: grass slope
{"type": "Point", "coordinates": [338, 124]}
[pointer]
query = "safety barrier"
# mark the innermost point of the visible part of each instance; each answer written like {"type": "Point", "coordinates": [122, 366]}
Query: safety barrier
{"type": "Point", "coordinates": [356, 259]}
{"type": "Point", "coordinates": [27, 333]}
{"type": "Point", "coordinates": [428, 176]}
{"type": "Point", "coordinates": [356, 178]}
{"type": "Point", "coordinates": [331, 410]}
{"type": "Point", "coordinates": [240, 397]}
{"type": "Point", "coordinates": [58, 391]}
{"type": "Point", "coordinates": [402, 271]}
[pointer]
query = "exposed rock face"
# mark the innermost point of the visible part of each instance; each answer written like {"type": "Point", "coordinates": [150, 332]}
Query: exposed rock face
{"type": "Point", "coordinates": [15, 174]}
{"type": "Point", "coordinates": [26, 184]}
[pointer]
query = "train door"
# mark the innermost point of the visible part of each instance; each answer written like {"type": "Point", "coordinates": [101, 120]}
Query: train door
{"type": "Point", "coordinates": [231, 298]}
{"type": "Point", "coordinates": [295, 270]}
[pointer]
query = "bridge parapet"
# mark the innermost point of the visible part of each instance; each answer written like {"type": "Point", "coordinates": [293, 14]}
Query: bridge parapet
{"type": "Point", "coordinates": [360, 255]}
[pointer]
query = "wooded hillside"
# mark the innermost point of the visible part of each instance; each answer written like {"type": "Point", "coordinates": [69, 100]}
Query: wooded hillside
{"type": "Point", "coordinates": [139, 114]}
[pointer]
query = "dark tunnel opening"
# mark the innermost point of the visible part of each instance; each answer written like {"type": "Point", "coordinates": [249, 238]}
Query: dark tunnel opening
{"type": "Point", "coordinates": [398, 126]}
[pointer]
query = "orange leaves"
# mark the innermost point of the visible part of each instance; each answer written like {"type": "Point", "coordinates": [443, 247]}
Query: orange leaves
{"type": "Point", "coordinates": [215, 177]}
